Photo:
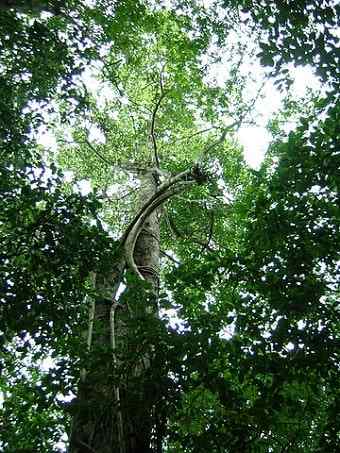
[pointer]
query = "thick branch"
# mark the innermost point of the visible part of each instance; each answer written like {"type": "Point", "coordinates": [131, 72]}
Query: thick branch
{"type": "Point", "coordinates": [185, 175]}
{"type": "Point", "coordinates": [147, 209]}
{"type": "Point", "coordinates": [165, 191]}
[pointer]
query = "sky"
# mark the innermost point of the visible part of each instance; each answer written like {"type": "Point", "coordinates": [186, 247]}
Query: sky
{"type": "Point", "coordinates": [255, 140]}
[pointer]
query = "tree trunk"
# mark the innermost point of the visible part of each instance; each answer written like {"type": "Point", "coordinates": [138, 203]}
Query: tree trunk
{"type": "Point", "coordinates": [146, 256]}
{"type": "Point", "coordinates": [114, 411]}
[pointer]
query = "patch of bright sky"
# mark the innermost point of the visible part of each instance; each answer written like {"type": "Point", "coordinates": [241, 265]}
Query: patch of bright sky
{"type": "Point", "coordinates": [228, 331]}
{"type": "Point", "coordinates": [255, 138]}
{"type": "Point", "coordinates": [96, 135]}
{"type": "Point", "coordinates": [83, 186]}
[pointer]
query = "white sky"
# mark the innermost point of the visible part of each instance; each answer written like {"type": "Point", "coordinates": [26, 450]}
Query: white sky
{"type": "Point", "coordinates": [255, 139]}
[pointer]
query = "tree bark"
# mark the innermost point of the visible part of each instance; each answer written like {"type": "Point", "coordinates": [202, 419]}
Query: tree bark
{"type": "Point", "coordinates": [140, 421]}
{"type": "Point", "coordinates": [114, 410]}
{"type": "Point", "coordinates": [94, 426]}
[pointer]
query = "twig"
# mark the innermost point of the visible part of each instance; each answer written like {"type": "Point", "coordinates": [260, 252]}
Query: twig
{"type": "Point", "coordinates": [84, 445]}
{"type": "Point", "coordinates": [154, 113]}
{"type": "Point", "coordinates": [185, 235]}
{"type": "Point", "coordinates": [188, 137]}
{"type": "Point", "coordinates": [220, 140]}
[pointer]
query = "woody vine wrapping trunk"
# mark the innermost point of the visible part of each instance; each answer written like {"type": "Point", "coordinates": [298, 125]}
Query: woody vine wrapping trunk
{"type": "Point", "coordinates": [116, 408]}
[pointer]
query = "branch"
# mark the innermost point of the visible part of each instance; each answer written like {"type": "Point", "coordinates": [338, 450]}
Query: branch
{"type": "Point", "coordinates": [221, 139]}
{"type": "Point", "coordinates": [152, 131]}
{"type": "Point", "coordinates": [83, 445]}
{"type": "Point", "coordinates": [205, 247]}
{"type": "Point", "coordinates": [185, 175]}
{"type": "Point", "coordinates": [131, 238]}
{"type": "Point", "coordinates": [165, 191]}
{"type": "Point", "coordinates": [171, 258]}
{"type": "Point", "coordinates": [98, 154]}
{"type": "Point", "coordinates": [193, 239]}
{"type": "Point", "coordinates": [125, 168]}
{"type": "Point", "coordinates": [188, 137]}
{"type": "Point", "coordinates": [251, 105]}
{"type": "Point", "coordinates": [202, 131]}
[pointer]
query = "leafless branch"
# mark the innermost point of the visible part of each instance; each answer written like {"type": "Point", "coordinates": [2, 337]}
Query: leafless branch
{"type": "Point", "coordinates": [171, 258]}
{"type": "Point", "coordinates": [190, 236]}
{"type": "Point", "coordinates": [165, 191]}
{"type": "Point", "coordinates": [97, 153]}
{"type": "Point", "coordinates": [221, 139]}
{"type": "Point", "coordinates": [152, 130]}
{"type": "Point", "coordinates": [190, 136]}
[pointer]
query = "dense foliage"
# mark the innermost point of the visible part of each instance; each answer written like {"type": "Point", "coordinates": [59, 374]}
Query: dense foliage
{"type": "Point", "coordinates": [247, 343]}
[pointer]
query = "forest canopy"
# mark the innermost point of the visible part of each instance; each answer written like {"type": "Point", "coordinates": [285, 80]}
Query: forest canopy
{"type": "Point", "coordinates": [158, 294]}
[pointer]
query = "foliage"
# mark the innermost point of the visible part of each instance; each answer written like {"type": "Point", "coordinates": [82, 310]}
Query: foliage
{"type": "Point", "coordinates": [250, 259]}
{"type": "Point", "coordinates": [299, 32]}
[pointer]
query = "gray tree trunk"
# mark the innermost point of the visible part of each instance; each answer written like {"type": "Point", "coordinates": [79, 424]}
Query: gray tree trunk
{"type": "Point", "coordinates": [114, 410]}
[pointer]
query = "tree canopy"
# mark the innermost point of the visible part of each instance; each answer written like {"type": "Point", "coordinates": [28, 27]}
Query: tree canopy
{"type": "Point", "coordinates": [185, 295]}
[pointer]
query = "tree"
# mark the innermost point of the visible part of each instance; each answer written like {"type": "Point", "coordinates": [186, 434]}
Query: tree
{"type": "Point", "coordinates": [176, 221]}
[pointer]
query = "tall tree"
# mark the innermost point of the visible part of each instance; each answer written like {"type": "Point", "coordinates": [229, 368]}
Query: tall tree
{"type": "Point", "coordinates": [176, 220]}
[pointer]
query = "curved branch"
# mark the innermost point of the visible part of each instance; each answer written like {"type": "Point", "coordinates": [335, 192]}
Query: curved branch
{"type": "Point", "coordinates": [183, 176]}
{"type": "Point", "coordinates": [151, 206]}
{"type": "Point", "coordinates": [165, 191]}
